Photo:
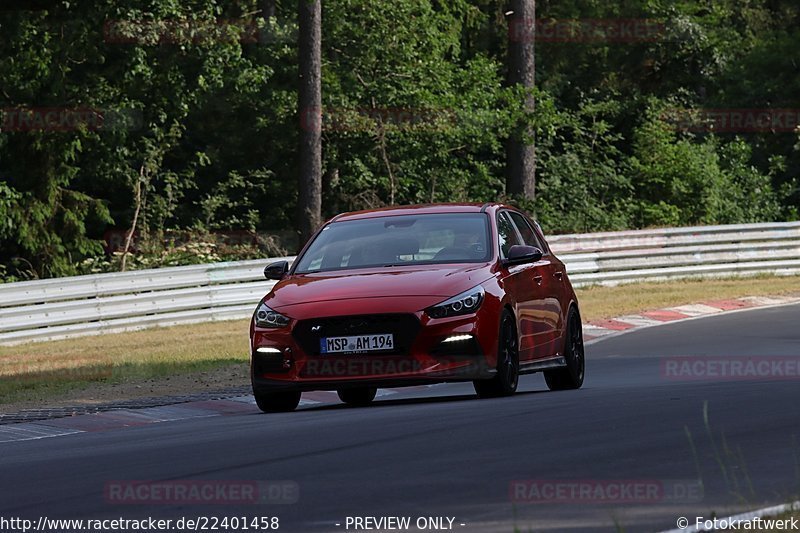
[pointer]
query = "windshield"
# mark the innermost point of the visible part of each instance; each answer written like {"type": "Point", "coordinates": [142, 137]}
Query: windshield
{"type": "Point", "coordinates": [399, 240]}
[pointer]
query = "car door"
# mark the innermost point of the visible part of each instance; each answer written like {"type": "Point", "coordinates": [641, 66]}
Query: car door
{"type": "Point", "coordinates": [547, 315]}
{"type": "Point", "coordinates": [522, 282]}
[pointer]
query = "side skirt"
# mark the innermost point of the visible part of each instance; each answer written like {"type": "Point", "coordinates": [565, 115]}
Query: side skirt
{"type": "Point", "coordinates": [531, 367]}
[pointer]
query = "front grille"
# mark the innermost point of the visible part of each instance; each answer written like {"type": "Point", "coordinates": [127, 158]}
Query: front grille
{"type": "Point", "coordinates": [404, 327]}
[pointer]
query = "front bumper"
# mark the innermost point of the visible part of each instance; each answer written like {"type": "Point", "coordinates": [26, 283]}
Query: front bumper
{"type": "Point", "coordinates": [421, 357]}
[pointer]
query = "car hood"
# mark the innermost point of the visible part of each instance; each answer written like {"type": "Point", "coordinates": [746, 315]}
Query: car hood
{"type": "Point", "coordinates": [437, 282]}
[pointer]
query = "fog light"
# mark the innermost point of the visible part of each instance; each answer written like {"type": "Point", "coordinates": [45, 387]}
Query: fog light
{"type": "Point", "coordinates": [458, 338]}
{"type": "Point", "coordinates": [266, 350]}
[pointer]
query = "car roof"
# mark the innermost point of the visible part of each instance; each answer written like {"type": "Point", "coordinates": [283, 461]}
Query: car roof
{"type": "Point", "coordinates": [421, 209]}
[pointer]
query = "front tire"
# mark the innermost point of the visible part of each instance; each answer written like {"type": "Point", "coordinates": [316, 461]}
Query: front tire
{"type": "Point", "coordinates": [277, 402]}
{"type": "Point", "coordinates": [358, 397]}
{"type": "Point", "coordinates": [571, 376]}
{"type": "Point", "coordinates": [505, 382]}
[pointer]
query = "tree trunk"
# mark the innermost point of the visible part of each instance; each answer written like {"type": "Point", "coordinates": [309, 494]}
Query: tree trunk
{"type": "Point", "coordinates": [267, 9]}
{"type": "Point", "coordinates": [520, 152]}
{"type": "Point", "coordinates": [310, 108]}
{"type": "Point", "coordinates": [139, 200]}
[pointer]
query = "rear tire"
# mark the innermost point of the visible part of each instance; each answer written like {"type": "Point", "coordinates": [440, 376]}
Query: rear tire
{"type": "Point", "coordinates": [358, 397]}
{"type": "Point", "coordinates": [277, 402]}
{"type": "Point", "coordinates": [571, 376]}
{"type": "Point", "coordinates": [505, 382]}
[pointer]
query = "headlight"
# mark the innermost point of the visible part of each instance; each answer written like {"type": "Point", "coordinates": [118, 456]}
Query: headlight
{"type": "Point", "coordinates": [267, 318]}
{"type": "Point", "coordinates": [464, 304]}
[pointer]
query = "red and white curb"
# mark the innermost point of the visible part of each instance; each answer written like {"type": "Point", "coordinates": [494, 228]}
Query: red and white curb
{"type": "Point", "coordinates": [115, 419]}
{"type": "Point", "coordinates": [599, 329]}
{"type": "Point", "coordinates": [124, 418]}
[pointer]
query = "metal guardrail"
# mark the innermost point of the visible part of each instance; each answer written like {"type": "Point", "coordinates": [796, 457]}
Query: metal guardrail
{"type": "Point", "coordinates": [706, 251]}
{"type": "Point", "coordinates": [102, 303]}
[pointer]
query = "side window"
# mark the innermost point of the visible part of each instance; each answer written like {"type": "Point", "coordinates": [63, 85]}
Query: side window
{"type": "Point", "coordinates": [525, 229]}
{"type": "Point", "coordinates": [507, 234]}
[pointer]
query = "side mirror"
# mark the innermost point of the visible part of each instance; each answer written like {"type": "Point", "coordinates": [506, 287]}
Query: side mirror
{"type": "Point", "coordinates": [277, 270]}
{"type": "Point", "coordinates": [520, 254]}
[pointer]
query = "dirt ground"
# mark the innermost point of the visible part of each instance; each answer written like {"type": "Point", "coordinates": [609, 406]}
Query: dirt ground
{"type": "Point", "coordinates": [228, 377]}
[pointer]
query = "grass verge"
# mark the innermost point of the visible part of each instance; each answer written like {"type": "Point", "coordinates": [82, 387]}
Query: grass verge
{"type": "Point", "coordinates": [608, 302]}
{"type": "Point", "coordinates": [185, 359]}
{"type": "Point", "coordinates": [153, 362]}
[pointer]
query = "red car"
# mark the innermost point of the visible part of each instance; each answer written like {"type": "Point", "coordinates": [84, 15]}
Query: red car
{"type": "Point", "coordinates": [416, 295]}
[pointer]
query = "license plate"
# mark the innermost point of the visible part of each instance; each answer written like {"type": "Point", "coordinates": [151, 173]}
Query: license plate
{"type": "Point", "coordinates": [357, 343]}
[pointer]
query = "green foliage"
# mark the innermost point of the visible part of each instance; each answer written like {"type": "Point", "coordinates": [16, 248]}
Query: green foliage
{"type": "Point", "coordinates": [684, 181]}
{"type": "Point", "coordinates": [9, 199]}
{"type": "Point", "coordinates": [188, 248]}
{"type": "Point", "coordinates": [582, 184]}
{"type": "Point", "coordinates": [406, 118]}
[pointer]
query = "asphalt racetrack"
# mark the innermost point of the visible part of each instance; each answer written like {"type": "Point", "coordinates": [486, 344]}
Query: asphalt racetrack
{"type": "Point", "coordinates": [653, 436]}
